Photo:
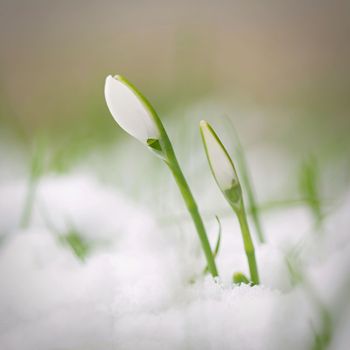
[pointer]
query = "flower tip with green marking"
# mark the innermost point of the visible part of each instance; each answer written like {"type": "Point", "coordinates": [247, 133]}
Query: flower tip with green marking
{"type": "Point", "coordinates": [221, 165]}
{"type": "Point", "coordinates": [131, 111]}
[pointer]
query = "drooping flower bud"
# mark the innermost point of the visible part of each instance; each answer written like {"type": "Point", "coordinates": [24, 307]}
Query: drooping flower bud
{"type": "Point", "coordinates": [221, 165]}
{"type": "Point", "coordinates": [131, 111]}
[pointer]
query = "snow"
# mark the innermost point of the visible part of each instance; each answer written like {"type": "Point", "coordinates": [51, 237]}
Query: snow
{"type": "Point", "coordinates": [141, 286]}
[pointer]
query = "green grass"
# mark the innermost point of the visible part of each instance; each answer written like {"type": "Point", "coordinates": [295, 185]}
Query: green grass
{"type": "Point", "coordinates": [36, 171]}
{"type": "Point", "coordinates": [76, 243]}
{"type": "Point", "coordinates": [309, 184]}
{"type": "Point", "coordinates": [247, 183]}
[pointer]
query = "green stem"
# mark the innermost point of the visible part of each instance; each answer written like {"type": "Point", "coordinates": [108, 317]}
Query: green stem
{"type": "Point", "coordinates": [193, 209]}
{"type": "Point", "coordinates": [171, 160]}
{"type": "Point", "coordinates": [248, 244]}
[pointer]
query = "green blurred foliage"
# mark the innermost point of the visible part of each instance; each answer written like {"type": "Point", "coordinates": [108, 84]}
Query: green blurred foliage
{"type": "Point", "coordinates": [76, 243]}
{"type": "Point", "coordinates": [268, 57]}
{"type": "Point", "coordinates": [309, 184]}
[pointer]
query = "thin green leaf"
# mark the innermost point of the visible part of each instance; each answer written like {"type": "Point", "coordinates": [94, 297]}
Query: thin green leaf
{"type": "Point", "coordinates": [217, 245]}
{"type": "Point", "coordinates": [309, 179]}
{"type": "Point", "coordinates": [247, 184]}
{"type": "Point", "coordinates": [218, 241]}
{"type": "Point", "coordinates": [76, 243]}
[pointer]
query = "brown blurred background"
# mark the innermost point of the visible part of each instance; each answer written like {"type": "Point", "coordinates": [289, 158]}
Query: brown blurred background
{"type": "Point", "coordinates": [274, 55]}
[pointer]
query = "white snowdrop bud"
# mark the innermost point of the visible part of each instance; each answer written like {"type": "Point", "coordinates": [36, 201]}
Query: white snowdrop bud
{"type": "Point", "coordinates": [221, 164]}
{"type": "Point", "coordinates": [130, 110]}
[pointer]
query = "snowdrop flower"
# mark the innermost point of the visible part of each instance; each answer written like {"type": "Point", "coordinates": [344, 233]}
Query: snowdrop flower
{"type": "Point", "coordinates": [130, 110]}
{"type": "Point", "coordinates": [226, 177]}
{"type": "Point", "coordinates": [138, 118]}
{"type": "Point", "coordinates": [220, 163]}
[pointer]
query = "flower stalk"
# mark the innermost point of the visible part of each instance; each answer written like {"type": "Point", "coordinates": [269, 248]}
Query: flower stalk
{"type": "Point", "coordinates": [135, 115]}
{"type": "Point", "coordinates": [225, 175]}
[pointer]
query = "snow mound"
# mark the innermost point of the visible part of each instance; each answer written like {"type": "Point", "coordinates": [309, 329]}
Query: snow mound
{"type": "Point", "coordinates": [135, 289]}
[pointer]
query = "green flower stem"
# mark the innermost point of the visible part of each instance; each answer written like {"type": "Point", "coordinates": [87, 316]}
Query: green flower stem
{"type": "Point", "coordinates": [248, 244]}
{"type": "Point", "coordinates": [190, 204]}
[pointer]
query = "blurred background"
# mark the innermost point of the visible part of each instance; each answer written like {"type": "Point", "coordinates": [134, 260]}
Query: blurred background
{"type": "Point", "coordinates": [287, 60]}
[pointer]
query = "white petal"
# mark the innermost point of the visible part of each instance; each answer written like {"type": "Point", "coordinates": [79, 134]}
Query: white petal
{"type": "Point", "coordinates": [129, 111]}
{"type": "Point", "coordinates": [220, 164]}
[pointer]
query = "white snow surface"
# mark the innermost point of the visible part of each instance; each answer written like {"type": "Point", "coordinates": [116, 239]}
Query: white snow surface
{"type": "Point", "coordinates": [141, 287]}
